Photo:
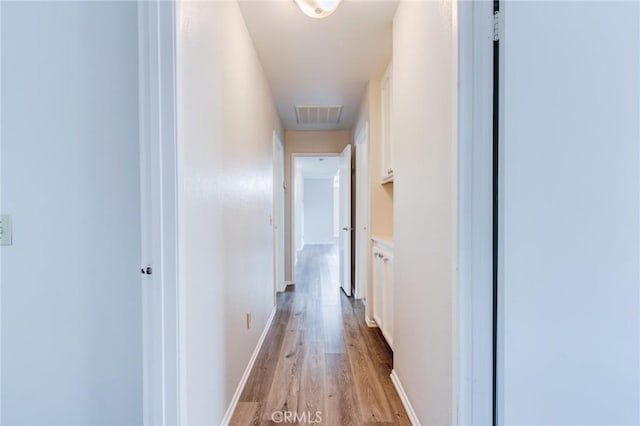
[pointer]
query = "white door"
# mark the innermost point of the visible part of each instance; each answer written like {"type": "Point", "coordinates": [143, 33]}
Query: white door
{"type": "Point", "coordinates": [345, 220]}
{"type": "Point", "coordinates": [278, 213]}
{"type": "Point", "coordinates": [568, 348]}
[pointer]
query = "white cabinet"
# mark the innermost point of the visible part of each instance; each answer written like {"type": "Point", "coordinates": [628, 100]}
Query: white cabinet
{"type": "Point", "coordinates": [386, 89]}
{"type": "Point", "coordinates": [383, 288]}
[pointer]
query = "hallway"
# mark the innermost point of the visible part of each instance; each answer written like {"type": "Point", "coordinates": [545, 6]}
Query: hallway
{"type": "Point", "coordinates": [319, 356]}
{"type": "Point", "coordinates": [149, 154]}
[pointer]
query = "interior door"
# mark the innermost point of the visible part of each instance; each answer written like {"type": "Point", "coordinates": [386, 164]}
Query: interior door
{"type": "Point", "coordinates": [569, 248]}
{"type": "Point", "coordinates": [344, 243]}
{"type": "Point", "coordinates": [71, 289]}
{"type": "Point", "coordinates": [278, 213]}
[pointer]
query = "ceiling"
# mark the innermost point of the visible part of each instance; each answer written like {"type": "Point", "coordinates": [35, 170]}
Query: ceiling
{"type": "Point", "coordinates": [320, 61]}
{"type": "Point", "coordinates": [313, 168]}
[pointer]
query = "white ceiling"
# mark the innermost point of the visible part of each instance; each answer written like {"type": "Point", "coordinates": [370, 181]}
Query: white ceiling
{"type": "Point", "coordinates": [314, 168]}
{"type": "Point", "coordinates": [320, 61]}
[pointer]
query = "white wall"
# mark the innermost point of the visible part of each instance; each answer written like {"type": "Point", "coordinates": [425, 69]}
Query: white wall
{"type": "Point", "coordinates": [571, 248]}
{"type": "Point", "coordinates": [318, 211]}
{"type": "Point", "coordinates": [225, 199]}
{"type": "Point", "coordinates": [425, 211]}
{"type": "Point", "coordinates": [71, 300]}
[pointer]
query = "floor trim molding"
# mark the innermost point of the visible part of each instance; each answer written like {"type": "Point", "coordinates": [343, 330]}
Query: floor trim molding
{"type": "Point", "coordinates": [405, 399]}
{"type": "Point", "coordinates": [243, 381]}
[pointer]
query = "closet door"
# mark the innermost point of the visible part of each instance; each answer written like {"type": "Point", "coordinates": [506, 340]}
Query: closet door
{"type": "Point", "coordinates": [568, 349]}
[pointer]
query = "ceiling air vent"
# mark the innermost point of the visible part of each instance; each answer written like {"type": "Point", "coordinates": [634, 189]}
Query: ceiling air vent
{"type": "Point", "coordinates": [318, 114]}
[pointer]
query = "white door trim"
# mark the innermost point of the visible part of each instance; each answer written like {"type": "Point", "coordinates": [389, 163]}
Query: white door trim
{"type": "Point", "coordinates": [473, 386]}
{"type": "Point", "coordinates": [1, 68]}
{"type": "Point", "coordinates": [345, 241]}
{"type": "Point", "coordinates": [158, 168]}
{"type": "Point", "coordinates": [278, 214]}
{"type": "Point", "coordinates": [363, 207]}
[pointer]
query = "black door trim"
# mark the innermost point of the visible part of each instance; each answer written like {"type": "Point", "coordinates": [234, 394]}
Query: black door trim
{"type": "Point", "coordinates": [496, 163]}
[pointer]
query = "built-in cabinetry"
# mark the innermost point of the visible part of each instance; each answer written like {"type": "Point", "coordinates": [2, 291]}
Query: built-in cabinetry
{"type": "Point", "coordinates": [387, 125]}
{"type": "Point", "coordinates": [383, 287]}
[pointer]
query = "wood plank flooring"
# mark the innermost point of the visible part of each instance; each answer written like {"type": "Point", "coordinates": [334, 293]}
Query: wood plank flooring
{"type": "Point", "coordinates": [320, 357]}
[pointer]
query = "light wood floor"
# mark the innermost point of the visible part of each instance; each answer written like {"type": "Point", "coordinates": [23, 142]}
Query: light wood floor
{"type": "Point", "coordinates": [319, 356]}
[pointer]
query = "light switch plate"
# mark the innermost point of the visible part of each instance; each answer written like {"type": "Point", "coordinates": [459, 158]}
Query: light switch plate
{"type": "Point", "coordinates": [5, 230]}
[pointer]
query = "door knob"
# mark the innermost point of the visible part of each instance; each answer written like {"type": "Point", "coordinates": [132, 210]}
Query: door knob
{"type": "Point", "coordinates": [346, 228]}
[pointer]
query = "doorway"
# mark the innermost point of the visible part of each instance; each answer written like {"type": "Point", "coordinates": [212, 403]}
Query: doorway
{"type": "Point", "coordinates": [321, 212]}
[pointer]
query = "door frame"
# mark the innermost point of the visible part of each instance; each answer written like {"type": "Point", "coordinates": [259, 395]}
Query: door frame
{"type": "Point", "coordinates": [159, 214]}
{"type": "Point", "coordinates": [362, 214]}
{"type": "Point", "coordinates": [278, 218]}
{"type": "Point", "coordinates": [346, 258]}
{"type": "Point", "coordinates": [1, 68]}
{"type": "Point", "coordinates": [473, 386]}
{"type": "Point", "coordinates": [292, 176]}
{"type": "Point", "coordinates": [157, 60]}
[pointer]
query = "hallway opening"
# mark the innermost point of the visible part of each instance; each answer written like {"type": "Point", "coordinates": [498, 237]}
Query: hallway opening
{"type": "Point", "coordinates": [266, 61]}
{"type": "Point", "coordinates": [316, 202]}
{"type": "Point", "coordinates": [321, 210]}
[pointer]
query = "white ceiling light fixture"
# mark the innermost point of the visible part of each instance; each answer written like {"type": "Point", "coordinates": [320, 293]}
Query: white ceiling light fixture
{"type": "Point", "coordinates": [318, 8]}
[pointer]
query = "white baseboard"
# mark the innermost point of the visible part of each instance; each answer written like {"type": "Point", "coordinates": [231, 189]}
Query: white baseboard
{"type": "Point", "coordinates": [370, 322]}
{"type": "Point", "coordinates": [243, 381]}
{"type": "Point", "coordinates": [405, 400]}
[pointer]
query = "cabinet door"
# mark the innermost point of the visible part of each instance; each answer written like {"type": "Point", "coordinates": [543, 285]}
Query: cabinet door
{"type": "Point", "coordinates": [387, 296]}
{"type": "Point", "coordinates": [388, 299]}
{"type": "Point", "coordinates": [378, 289]}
